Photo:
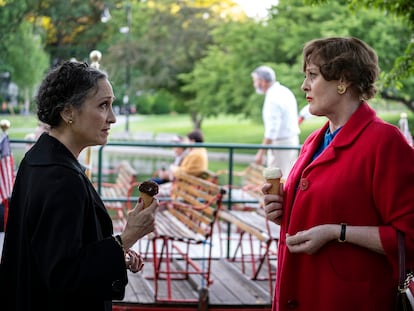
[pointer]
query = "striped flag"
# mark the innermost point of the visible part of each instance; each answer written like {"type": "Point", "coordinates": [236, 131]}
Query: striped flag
{"type": "Point", "coordinates": [6, 174]}
{"type": "Point", "coordinates": [404, 128]}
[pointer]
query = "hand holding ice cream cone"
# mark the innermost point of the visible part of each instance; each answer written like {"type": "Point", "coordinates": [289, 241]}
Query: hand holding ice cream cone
{"type": "Point", "coordinates": [273, 176]}
{"type": "Point", "coordinates": [140, 220]}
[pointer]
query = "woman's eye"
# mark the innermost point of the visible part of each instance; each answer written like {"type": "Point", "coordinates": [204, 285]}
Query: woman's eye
{"type": "Point", "coordinates": [309, 75]}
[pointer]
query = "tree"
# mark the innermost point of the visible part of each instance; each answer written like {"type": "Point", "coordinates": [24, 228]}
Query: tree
{"type": "Point", "coordinates": [72, 28]}
{"type": "Point", "coordinates": [221, 81]}
{"type": "Point", "coordinates": [27, 69]}
{"type": "Point", "coordinates": [11, 15]}
{"type": "Point", "coordinates": [170, 39]}
{"type": "Point", "coordinates": [25, 24]}
{"type": "Point", "coordinates": [201, 52]}
{"type": "Point", "coordinates": [394, 85]}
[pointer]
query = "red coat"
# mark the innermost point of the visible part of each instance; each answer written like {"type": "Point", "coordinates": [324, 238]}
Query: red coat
{"type": "Point", "coordinates": [365, 177]}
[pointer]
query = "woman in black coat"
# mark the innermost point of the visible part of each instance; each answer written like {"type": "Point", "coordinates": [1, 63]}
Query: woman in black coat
{"type": "Point", "coordinates": [59, 251]}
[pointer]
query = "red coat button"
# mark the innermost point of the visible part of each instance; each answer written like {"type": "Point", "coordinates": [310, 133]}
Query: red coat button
{"type": "Point", "coordinates": [292, 304]}
{"type": "Point", "coordinates": [303, 184]}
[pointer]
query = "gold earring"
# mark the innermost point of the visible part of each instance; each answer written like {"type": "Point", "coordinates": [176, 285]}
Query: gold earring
{"type": "Point", "coordinates": [341, 89]}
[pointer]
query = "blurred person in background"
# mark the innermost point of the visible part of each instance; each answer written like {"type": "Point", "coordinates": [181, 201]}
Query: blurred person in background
{"type": "Point", "coordinates": [304, 114]}
{"type": "Point", "coordinates": [164, 175]}
{"type": "Point", "coordinates": [280, 119]}
{"type": "Point", "coordinates": [196, 161]}
{"type": "Point", "coordinates": [39, 130]}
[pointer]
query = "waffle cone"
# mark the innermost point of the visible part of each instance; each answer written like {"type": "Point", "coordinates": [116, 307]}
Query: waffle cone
{"type": "Point", "coordinates": [147, 199]}
{"type": "Point", "coordinates": [275, 185]}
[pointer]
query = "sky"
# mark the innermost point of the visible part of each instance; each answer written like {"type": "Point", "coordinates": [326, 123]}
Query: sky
{"type": "Point", "coordinates": [256, 8]}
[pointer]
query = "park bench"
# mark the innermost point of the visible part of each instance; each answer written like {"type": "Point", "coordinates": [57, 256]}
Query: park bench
{"type": "Point", "coordinates": [209, 176]}
{"type": "Point", "coordinates": [262, 236]}
{"type": "Point", "coordinates": [248, 195]}
{"type": "Point", "coordinates": [185, 221]}
{"type": "Point", "coordinates": [251, 223]}
{"type": "Point", "coordinates": [115, 195]}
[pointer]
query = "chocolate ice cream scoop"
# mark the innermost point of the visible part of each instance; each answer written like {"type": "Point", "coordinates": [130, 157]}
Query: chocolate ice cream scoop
{"type": "Point", "coordinates": [148, 189]}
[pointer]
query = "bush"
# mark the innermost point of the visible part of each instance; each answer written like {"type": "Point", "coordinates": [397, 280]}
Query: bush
{"type": "Point", "coordinates": [161, 102]}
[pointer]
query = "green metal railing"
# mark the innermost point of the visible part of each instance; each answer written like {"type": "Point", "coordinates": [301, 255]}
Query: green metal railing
{"type": "Point", "coordinates": [229, 148]}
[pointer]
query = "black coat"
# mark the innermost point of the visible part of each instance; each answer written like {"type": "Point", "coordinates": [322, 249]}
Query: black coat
{"type": "Point", "coordinates": [58, 251]}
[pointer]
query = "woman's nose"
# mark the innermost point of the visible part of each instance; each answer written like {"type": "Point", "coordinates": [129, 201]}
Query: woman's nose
{"type": "Point", "coordinates": [304, 86]}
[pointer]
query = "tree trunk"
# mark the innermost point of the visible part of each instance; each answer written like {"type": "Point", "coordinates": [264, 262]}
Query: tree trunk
{"type": "Point", "coordinates": [409, 103]}
{"type": "Point", "coordinates": [26, 101]}
{"type": "Point", "coordinates": [197, 120]}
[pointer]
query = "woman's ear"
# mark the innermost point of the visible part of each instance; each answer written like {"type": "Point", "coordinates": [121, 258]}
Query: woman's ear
{"type": "Point", "coordinates": [344, 82]}
{"type": "Point", "coordinates": [67, 115]}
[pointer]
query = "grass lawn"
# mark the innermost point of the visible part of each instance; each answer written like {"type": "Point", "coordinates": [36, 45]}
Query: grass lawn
{"type": "Point", "coordinates": [221, 129]}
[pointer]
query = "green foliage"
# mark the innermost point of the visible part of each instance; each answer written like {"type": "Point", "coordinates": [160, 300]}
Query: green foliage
{"type": "Point", "coordinates": [216, 79]}
{"type": "Point", "coordinates": [11, 14]}
{"type": "Point", "coordinates": [27, 69]}
{"type": "Point", "coordinates": [72, 28]}
{"type": "Point", "coordinates": [221, 81]}
{"type": "Point", "coordinates": [161, 102]}
{"type": "Point", "coordinates": [193, 56]}
{"type": "Point", "coordinates": [403, 66]}
{"type": "Point", "coordinates": [171, 43]}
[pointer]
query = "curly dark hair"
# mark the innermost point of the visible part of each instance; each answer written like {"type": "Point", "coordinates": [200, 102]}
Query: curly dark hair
{"type": "Point", "coordinates": [345, 58]}
{"type": "Point", "coordinates": [67, 84]}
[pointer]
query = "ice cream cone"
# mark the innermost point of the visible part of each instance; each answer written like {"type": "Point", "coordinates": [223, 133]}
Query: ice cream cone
{"type": "Point", "coordinates": [147, 191]}
{"type": "Point", "coordinates": [273, 176]}
{"type": "Point", "coordinates": [147, 199]}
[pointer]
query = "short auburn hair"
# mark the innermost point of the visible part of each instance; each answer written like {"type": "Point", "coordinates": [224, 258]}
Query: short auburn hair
{"type": "Point", "coordinates": [346, 58]}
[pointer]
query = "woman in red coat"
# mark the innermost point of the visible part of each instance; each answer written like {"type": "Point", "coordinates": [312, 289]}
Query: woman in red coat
{"type": "Point", "coordinates": [350, 189]}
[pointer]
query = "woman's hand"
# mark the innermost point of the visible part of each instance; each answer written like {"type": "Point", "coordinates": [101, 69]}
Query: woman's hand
{"type": "Point", "coordinates": [273, 204]}
{"type": "Point", "coordinates": [311, 240]}
{"type": "Point", "coordinates": [140, 222]}
{"type": "Point", "coordinates": [133, 261]}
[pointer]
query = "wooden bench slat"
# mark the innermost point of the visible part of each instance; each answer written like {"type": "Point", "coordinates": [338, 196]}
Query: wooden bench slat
{"type": "Point", "coordinates": [125, 179]}
{"type": "Point", "coordinates": [189, 199]}
{"type": "Point", "coordinates": [227, 216]}
{"type": "Point", "coordinates": [189, 217]}
{"type": "Point", "coordinates": [168, 225]}
{"type": "Point", "coordinates": [187, 221]}
{"type": "Point", "coordinates": [258, 221]}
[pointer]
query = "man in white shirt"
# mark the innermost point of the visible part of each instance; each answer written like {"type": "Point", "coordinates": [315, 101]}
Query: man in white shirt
{"type": "Point", "coordinates": [304, 114]}
{"type": "Point", "coordinates": [280, 118]}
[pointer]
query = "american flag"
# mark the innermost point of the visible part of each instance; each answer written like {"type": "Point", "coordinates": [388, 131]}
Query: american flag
{"type": "Point", "coordinates": [6, 173]}
{"type": "Point", "coordinates": [404, 129]}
